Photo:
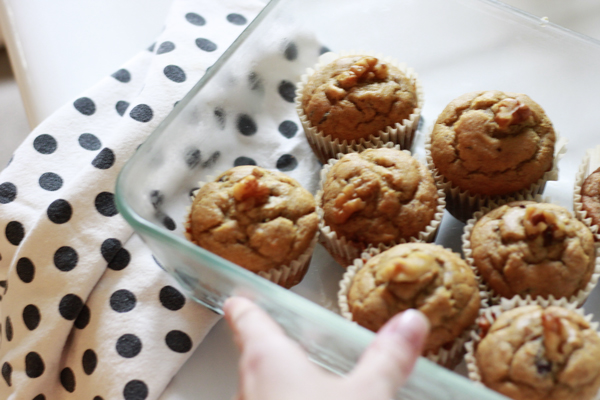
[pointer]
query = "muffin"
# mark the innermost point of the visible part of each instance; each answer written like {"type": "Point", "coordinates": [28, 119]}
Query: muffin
{"type": "Point", "coordinates": [355, 98]}
{"type": "Point", "coordinates": [536, 353]}
{"type": "Point", "coordinates": [590, 196]}
{"type": "Point", "coordinates": [261, 220]}
{"type": "Point", "coordinates": [525, 248]}
{"type": "Point", "coordinates": [423, 276]}
{"type": "Point", "coordinates": [379, 196]}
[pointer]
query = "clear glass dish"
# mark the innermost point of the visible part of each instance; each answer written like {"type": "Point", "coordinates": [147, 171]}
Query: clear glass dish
{"type": "Point", "coordinates": [456, 46]}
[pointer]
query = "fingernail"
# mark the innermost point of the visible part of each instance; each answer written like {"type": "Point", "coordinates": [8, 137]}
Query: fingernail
{"type": "Point", "coordinates": [412, 325]}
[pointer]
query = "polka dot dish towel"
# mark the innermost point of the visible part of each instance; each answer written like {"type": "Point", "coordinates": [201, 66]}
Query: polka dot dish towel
{"type": "Point", "coordinates": [85, 311]}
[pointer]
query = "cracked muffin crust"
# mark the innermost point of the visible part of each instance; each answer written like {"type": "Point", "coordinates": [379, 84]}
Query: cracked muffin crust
{"type": "Point", "coordinates": [417, 275]}
{"type": "Point", "coordinates": [532, 353]}
{"type": "Point", "coordinates": [378, 196]}
{"type": "Point", "coordinates": [537, 249]}
{"type": "Point", "coordinates": [357, 96]}
{"type": "Point", "coordinates": [256, 218]}
{"type": "Point", "coordinates": [590, 196]}
{"type": "Point", "coordinates": [493, 143]}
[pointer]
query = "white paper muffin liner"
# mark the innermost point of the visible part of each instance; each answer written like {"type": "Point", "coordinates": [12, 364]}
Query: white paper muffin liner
{"type": "Point", "coordinates": [448, 358]}
{"type": "Point", "coordinates": [590, 162]}
{"type": "Point", "coordinates": [494, 298]}
{"type": "Point", "coordinates": [284, 275]}
{"type": "Point", "coordinates": [401, 134]}
{"type": "Point", "coordinates": [492, 313]}
{"type": "Point", "coordinates": [462, 203]}
{"type": "Point", "coordinates": [345, 251]}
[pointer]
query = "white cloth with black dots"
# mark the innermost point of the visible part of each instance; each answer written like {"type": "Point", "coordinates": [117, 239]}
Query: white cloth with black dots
{"type": "Point", "coordinates": [85, 310]}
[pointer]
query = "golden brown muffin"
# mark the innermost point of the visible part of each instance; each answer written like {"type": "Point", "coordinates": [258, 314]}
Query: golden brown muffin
{"type": "Point", "coordinates": [531, 353]}
{"type": "Point", "coordinates": [378, 196]}
{"type": "Point", "coordinates": [538, 249]}
{"type": "Point", "coordinates": [256, 218]}
{"type": "Point", "coordinates": [493, 143]}
{"type": "Point", "coordinates": [416, 275]}
{"type": "Point", "coordinates": [355, 97]}
{"type": "Point", "coordinates": [590, 196]}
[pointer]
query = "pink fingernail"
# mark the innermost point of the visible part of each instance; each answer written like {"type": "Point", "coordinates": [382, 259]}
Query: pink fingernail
{"type": "Point", "coordinates": [411, 325]}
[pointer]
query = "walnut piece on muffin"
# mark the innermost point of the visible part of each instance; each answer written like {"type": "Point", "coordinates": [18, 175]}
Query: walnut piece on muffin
{"type": "Point", "coordinates": [355, 97]}
{"type": "Point", "coordinates": [256, 218]}
{"type": "Point", "coordinates": [532, 353]}
{"type": "Point", "coordinates": [378, 196]}
{"type": "Point", "coordinates": [493, 143]}
{"type": "Point", "coordinates": [528, 248]}
{"type": "Point", "coordinates": [423, 276]}
{"type": "Point", "coordinates": [590, 196]}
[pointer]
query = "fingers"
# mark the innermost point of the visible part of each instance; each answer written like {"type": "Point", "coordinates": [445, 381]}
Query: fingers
{"type": "Point", "coordinates": [388, 361]}
{"type": "Point", "coordinates": [248, 321]}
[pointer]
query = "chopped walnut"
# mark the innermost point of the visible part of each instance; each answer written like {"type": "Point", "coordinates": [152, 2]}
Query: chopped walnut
{"type": "Point", "coordinates": [561, 337]}
{"type": "Point", "coordinates": [412, 268]}
{"type": "Point", "coordinates": [543, 222]}
{"type": "Point", "coordinates": [365, 69]}
{"type": "Point", "coordinates": [250, 187]}
{"type": "Point", "coordinates": [510, 112]}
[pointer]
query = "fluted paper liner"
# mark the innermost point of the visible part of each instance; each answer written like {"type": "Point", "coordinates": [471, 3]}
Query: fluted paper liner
{"type": "Point", "coordinates": [590, 162]}
{"type": "Point", "coordinates": [448, 358]}
{"type": "Point", "coordinates": [462, 203]}
{"type": "Point", "coordinates": [401, 133]}
{"type": "Point", "coordinates": [494, 298]}
{"type": "Point", "coordinates": [344, 251]}
{"type": "Point", "coordinates": [492, 313]}
{"type": "Point", "coordinates": [284, 275]}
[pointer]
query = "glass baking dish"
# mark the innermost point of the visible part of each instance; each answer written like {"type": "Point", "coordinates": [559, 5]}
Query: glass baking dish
{"type": "Point", "coordinates": [456, 46]}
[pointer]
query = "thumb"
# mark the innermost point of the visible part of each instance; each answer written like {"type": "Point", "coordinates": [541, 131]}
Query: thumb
{"type": "Point", "coordinates": [389, 360]}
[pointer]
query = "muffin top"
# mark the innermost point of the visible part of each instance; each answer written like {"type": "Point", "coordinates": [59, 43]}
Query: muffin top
{"type": "Point", "coordinates": [538, 249]}
{"type": "Point", "coordinates": [416, 275]}
{"type": "Point", "coordinates": [531, 353]}
{"type": "Point", "coordinates": [378, 196]}
{"type": "Point", "coordinates": [493, 143]}
{"type": "Point", "coordinates": [256, 218]}
{"type": "Point", "coordinates": [590, 196]}
{"type": "Point", "coordinates": [355, 97]}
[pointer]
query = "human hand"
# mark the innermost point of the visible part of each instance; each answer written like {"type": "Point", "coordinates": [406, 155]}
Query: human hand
{"type": "Point", "coordinates": [274, 367]}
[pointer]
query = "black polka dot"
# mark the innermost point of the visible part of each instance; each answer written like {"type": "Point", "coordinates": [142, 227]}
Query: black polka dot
{"type": "Point", "coordinates": [59, 211]}
{"type": "Point", "coordinates": [243, 161]}
{"type": "Point", "coordinates": [141, 113]}
{"type": "Point", "coordinates": [193, 157]}
{"type": "Point", "coordinates": [324, 50]}
{"type": "Point", "coordinates": [39, 397]}
{"type": "Point", "coordinates": [287, 90]}
{"type": "Point", "coordinates": [25, 269]}
{"type": "Point", "coordinates": [246, 125]}
{"type": "Point", "coordinates": [157, 199]}
{"type": "Point", "coordinates": [135, 390]}
{"type": "Point", "coordinates": [6, 373]}
{"type": "Point", "coordinates": [8, 329]}
{"type": "Point", "coordinates": [89, 141]}
{"type": "Point", "coordinates": [105, 159]}
{"type": "Point", "coordinates": [83, 318]}
{"type": "Point", "coordinates": [212, 160]}
{"type": "Point", "coordinates": [195, 19]}
{"type": "Point", "coordinates": [31, 317]}
{"type": "Point", "coordinates": [129, 346]}
{"type": "Point", "coordinates": [122, 301]}
{"type": "Point", "coordinates": [70, 306]}
{"type": "Point", "coordinates": [97, 398]}
{"type": "Point", "coordinates": [121, 107]}
{"type": "Point", "coordinates": [220, 115]}
{"type": "Point", "coordinates": [255, 82]}
{"type": "Point", "coordinates": [65, 258]}
{"type": "Point", "coordinates": [14, 232]}
{"type": "Point", "coordinates": [178, 341]}
{"type": "Point", "coordinates": [45, 144]}
{"type": "Point", "coordinates": [8, 192]}
{"type": "Point", "coordinates": [288, 129]}
{"type": "Point", "coordinates": [50, 181]}
{"type": "Point", "coordinates": [287, 162]}
{"type": "Point", "coordinates": [205, 44]}
{"type": "Point", "coordinates": [85, 105]}
{"type": "Point", "coordinates": [34, 365]}
{"type": "Point", "coordinates": [109, 248]}
{"type": "Point", "coordinates": [67, 379]}
{"type": "Point", "coordinates": [169, 223]}
{"type": "Point", "coordinates": [291, 51]}
{"type": "Point", "coordinates": [120, 260]}
{"type": "Point", "coordinates": [237, 19]}
{"type": "Point", "coordinates": [122, 75]}
{"type": "Point", "coordinates": [171, 298]}
{"type": "Point", "coordinates": [89, 361]}
{"type": "Point", "coordinates": [174, 73]}
{"type": "Point", "coordinates": [165, 47]}
{"type": "Point", "coordinates": [105, 204]}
